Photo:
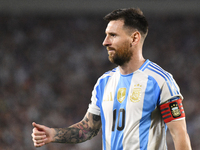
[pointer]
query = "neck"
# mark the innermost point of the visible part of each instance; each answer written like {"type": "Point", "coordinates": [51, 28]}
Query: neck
{"type": "Point", "coordinates": [134, 64]}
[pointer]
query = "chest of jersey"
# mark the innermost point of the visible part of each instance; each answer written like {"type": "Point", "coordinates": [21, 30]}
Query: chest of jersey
{"type": "Point", "coordinates": [127, 103]}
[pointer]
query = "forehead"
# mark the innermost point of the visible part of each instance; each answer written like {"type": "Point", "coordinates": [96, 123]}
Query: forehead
{"type": "Point", "coordinates": [115, 25]}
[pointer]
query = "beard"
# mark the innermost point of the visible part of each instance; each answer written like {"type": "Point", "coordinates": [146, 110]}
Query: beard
{"type": "Point", "coordinates": [122, 55]}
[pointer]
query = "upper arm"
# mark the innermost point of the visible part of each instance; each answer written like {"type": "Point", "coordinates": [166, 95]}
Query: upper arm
{"type": "Point", "coordinates": [177, 127]}
{"type": "Point", "coordinates": [179, 134]}
{"type": "Point", "coordinates": [174, 116]}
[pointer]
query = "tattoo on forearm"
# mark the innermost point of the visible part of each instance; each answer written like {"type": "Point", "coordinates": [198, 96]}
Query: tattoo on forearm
{"type": "Point", "coordinates": [96, 118]}
{"type": "Point", "coordinates": [79, 132]}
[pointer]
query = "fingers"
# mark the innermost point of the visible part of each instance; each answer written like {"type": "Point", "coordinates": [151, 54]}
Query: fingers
{"type": "Point", "coordinates": [38, 140]}
{"type": "Point", "coordinates": [38, 135]}
{"type": "Point", "coordinates": [39, 143]}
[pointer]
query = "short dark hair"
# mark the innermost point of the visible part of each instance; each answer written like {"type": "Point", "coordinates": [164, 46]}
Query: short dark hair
{"type": "Point", "coordinates": [133, 18]}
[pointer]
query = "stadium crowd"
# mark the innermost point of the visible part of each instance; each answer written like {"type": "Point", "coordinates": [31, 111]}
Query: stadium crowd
{"type": "Point", "coordinates": [49, 65]}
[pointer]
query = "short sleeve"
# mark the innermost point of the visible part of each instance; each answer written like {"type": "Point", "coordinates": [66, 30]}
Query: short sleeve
{"type": "Point", "coordinates": [169, 90]}
{"type": "Point", "coordinates": [94, 106]}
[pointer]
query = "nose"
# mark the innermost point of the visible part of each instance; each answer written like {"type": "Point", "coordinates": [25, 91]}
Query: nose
{"type": "Point", "coordinates": [106, 41]}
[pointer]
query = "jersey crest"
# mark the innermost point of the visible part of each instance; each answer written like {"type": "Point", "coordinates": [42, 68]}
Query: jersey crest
{"type": "Point", "coordinates": [136, 94]}
{"type": "Point", "coordinates": [175, 110]}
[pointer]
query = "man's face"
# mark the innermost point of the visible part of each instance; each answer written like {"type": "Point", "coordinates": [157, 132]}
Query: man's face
{"type": "Point", "coordinates": [118, 42]}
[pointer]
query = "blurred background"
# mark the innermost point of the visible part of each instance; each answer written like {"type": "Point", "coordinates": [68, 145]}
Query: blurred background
{"type": "Point", "coordinates": [51, 55]}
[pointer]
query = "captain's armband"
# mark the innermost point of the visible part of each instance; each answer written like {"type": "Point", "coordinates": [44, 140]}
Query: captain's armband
{"type": "Point", "coordinates": [172, 110]}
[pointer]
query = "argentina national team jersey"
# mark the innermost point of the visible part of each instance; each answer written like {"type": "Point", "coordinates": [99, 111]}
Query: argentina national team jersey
{"type": "Point", "coordinates": [128, 106]}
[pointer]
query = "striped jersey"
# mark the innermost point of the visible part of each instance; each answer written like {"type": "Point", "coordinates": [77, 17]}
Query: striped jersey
{"type": "Point", "coordinates": [129, 107]}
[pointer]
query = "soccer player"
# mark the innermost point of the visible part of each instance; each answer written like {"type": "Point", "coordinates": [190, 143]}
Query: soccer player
{"type": "Point", "coordinates": [134, 103]}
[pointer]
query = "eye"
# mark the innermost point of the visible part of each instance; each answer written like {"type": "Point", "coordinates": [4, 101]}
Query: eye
{"type": "Point", "coordinates": [113, 35]}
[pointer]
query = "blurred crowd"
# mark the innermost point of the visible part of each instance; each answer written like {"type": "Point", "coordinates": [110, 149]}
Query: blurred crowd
{"type": "Point", "coordinates": [49, 65]}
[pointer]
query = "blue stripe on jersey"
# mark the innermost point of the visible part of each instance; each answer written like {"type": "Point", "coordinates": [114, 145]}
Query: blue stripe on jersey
{"type": "Point", "coordinates": [173, 99]}
{"type": "Point", "coordinates": [151, 100]}
{"type": "Point", "coordinates": [144, 66]}
{"type": "Point", "coordinates": [168, 76]}
{"type": "Point", "coordinates": [100, 91]}
{"type": "Point", "coordinates": [154, 70]}
{"type": "Point", "coordinates": [117, 136]}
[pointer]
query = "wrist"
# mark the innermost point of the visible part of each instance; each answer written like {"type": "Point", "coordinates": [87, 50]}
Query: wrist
{"type": "Point", "coordinates": [53, 134]}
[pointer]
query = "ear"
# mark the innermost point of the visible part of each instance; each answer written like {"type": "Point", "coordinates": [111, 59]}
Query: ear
{"type": "Point", "coordinates": [136, 37]}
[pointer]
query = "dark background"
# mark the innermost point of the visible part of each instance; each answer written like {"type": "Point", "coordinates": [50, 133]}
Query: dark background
{"type": "Point", "coordinates": [51, 55]}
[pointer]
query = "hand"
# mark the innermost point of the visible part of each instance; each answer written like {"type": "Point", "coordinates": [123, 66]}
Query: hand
{"type": "Point", "coordinates": [41, 135]}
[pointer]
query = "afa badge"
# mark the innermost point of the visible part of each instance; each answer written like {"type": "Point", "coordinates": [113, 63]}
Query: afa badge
{"type": "Point", "coordinates": [175, 110]}
{"type": "Point", "coordinates": [136, 93]}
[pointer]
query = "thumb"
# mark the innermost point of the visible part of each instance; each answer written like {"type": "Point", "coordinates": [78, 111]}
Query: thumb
{"type": "Point", "coordinates": [38, 126]}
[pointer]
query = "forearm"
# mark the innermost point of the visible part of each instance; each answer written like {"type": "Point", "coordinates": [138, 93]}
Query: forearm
{"type": "Point", "coordinates": [80, 132]}
{"type": "Point", "coordinates": [74, 134]}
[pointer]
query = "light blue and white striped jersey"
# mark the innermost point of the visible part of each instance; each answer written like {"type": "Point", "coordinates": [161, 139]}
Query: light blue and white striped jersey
{"type": "Point", "coordinates": [128, 106]}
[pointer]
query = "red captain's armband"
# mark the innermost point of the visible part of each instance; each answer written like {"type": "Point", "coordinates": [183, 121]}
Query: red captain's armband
{"type": "Point", "coordinates": [172, 110]}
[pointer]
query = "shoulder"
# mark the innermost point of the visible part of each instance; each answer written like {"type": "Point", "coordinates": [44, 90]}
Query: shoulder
{"type": "Point", "coordinates": [164, 80]}
{"type": "Point", "coordinates": [158, 73]}
{"type": "Point", "coordinates": [108, 74]}
{"type": "Point", "coordinates": [103, 80]}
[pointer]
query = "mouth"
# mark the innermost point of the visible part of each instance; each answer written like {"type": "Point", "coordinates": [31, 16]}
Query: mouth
{"type": "Point", "coordinates": [111, 52]}
{"type": "Point", "coordinates": [110, 49]}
